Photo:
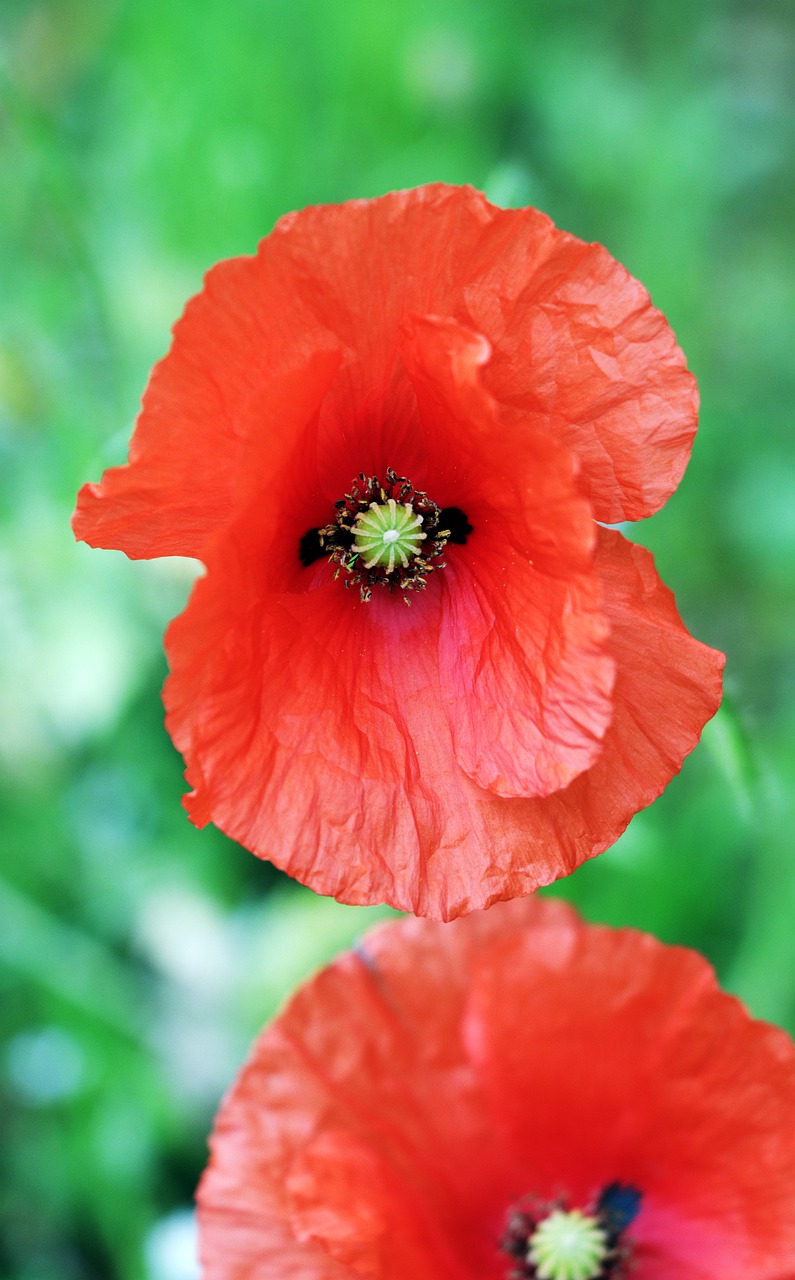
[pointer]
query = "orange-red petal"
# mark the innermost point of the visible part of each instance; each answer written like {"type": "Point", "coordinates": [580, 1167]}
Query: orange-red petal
{"type": "Point", "coordinates": [576, 341]}
{"type": "Point", "coordinates": [525, 675]}
{"type": "Point", "coordinates": [576, 337]}
{"type": "Point", "coordinates": [316, 732]}
{"type": "Point", "coordinates": [232, 350]}
{"type": "Point", "coordinates": [667, 686]}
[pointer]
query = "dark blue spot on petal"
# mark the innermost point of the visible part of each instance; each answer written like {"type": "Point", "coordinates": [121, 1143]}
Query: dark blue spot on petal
{"type": "Point", "coordinates": [617, 1206]}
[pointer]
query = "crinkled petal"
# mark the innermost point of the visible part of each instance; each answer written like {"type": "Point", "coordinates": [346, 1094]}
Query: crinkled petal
{"type": "Point", "coordinates": [667, 686]}
{"type": "Point", "coordinates": [524, 672]}
{"type": "Point", "coordinates": [233, 350]}
{"type": "Point", "coordinates": [316, 733]}
{"type": "Point", "coordinates": [576, 337]}
{"type": "Point", "coordinates": [361, 267]}
{"type": "Point", "coordinates": [295, 717]}
{"type": "Point", "coordinates": [576, 342]}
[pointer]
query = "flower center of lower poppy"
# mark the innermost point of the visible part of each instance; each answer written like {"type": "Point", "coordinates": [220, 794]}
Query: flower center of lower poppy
{"type": "Point", "coordinates": [386, 533]}
{"type": "Point", "coordinates": [568, 1246]}
{"type": "Point", "coordinates": [556, 1242]}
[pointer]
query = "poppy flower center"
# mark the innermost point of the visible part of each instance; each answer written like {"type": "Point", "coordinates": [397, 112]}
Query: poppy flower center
{"type": "Point", "coordinates": [388, 534]}
{"type": "Point", "coordinates": [385, 533]}
{"type": "Point", "coordinates": [554, 1242]}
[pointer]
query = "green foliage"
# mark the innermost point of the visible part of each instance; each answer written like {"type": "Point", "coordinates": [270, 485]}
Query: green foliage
{"type": "Point", "coordinates": [139, 142]}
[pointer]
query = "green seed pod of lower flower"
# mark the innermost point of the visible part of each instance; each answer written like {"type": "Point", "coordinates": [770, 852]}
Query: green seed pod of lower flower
{"type": "Point", "coordinates": [567, 1246]}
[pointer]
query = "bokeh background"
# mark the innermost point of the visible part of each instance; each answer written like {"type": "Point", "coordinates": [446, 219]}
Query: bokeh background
{"type": "Point", "coordinates": [139, 142]}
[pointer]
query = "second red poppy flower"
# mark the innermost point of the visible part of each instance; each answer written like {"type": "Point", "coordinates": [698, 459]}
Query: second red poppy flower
{"type": "Point", "coordinates": [428, 401]}
{"type": "Point", "coordinates": [515, 1096]}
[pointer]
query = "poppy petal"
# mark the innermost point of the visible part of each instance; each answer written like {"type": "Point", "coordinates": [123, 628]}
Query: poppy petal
{"type": "Point", "coordinates": [315, 732]}
{"type": "Point", "coordinates": [667, 686]}
{"type": "Point", "coordinates": [576, 337]}
{"type": "Point", "coordinates": [333, 790]}
{"type": "Point", "coordinates": [185, 456]}
{"type": "Point", "coordinates": [526, 641]}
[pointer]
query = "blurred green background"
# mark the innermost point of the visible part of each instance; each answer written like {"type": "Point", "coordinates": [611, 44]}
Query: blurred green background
{"type": "Point", "coordinates": [139, 142]}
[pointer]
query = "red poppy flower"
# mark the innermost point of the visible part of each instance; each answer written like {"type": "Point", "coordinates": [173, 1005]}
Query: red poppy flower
{"type": "Point", "coordinates": [430, 401]}
{"type": "Point", "coordinates": [515, 1094]}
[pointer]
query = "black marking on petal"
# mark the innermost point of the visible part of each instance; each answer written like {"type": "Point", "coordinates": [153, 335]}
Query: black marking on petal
{"type": "Point", "coordinates": [454, 519]}
{"type": "Point", "coordinates": [316, 543]}
{"type": "Point", "coordinates": [617, 1206]}
{"type": "Point", "coordinates": [310, 548]}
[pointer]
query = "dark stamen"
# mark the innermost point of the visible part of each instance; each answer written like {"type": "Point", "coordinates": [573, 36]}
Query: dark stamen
{"type": "Point", "coordinates": [454, 519]}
